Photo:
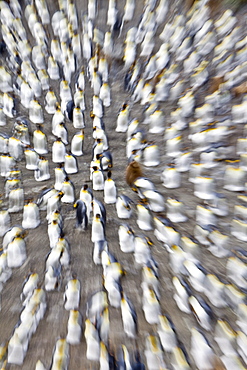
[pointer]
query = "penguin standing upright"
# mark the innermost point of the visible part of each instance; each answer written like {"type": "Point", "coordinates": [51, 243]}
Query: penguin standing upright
{"type": "Point", "coordinates": [105, 94]}
{"type": "Point", "coordinates": [126, 239]}
{"type": "Point", "coordinates": [74, 327]}
{"type": "Point", "coordinates": [123, 119]}
{"type": "Point", "coordinates": [110, 190]}
{"type": "Point", "coordinates": [16, 252]}
{"type": "Point", "coordinates": [54, 231]}
{"type": "Point", "coordinates": [106, 160]}
{"type": "Point", "coordinates": [61, 132]}
{"type": "Point", "coordinates": [68, 190]}
{"type": "Point", "coordinates": [99, 133]}
{"type": "Point", "coordinates": [29, 285]}
{"type": "Point", "coordinates": [72, 295]}
{"type": "Point", "coordinates": [60, 176]}
{"type": "Point", "coordinates": [97, 148]}
{"type": "Point", "coordinates": [40, 141]}
{"type": "Point", "coordinates": [144, 217]}
{"type": "Point", "coordinates": [81, 214]}
{"type": "Point", "coordinates": [79, 99]}
{"type": "Point", "coordinates": [36, 112]}
{"type": "Point", "coordinates": [129, 317]}
{"type": "Point", "coordinates": [92, 340]}
{"type": "Point", "coordinates": [31, 159]}
{"type": "Point", "coordinates": [42, 172]}
{"type": "Point", "coordinates": [58, 151]}
{"type": "Point", "coordinates": [53, 204]}
{"type": "Point", "coordinates": [70, 163]}
{"type": "Point", "coordinates": [86, 196]}
{"type": "Point", "coordinates": [4, 222]}
{"type": "Point", "coordinates": [57, 118]}
{"type": "Point", "coordinates": [78, 118]}
{"type": "Point", "coordinates": [98, 179]}
{"type": "Point", "coordinates": [15, 148]}
{"type": "Point", "coordinates": [16, 200]}
{"type": "Point", "coordinates": [98, 229]}
{"type": "Point", "coordinates": [31, 218]}
{"type": "Point", "coordinates": [123, 206]}
{"type": "Point", "coordinates": [98, 106]}
{"type": "Point", "coordinates": [133, 171]}
{"type": "Point", "coordinates": [76, 144]}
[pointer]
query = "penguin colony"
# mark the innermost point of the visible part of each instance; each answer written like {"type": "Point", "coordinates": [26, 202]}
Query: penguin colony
{"type": "Point", "coordinates": [110, 276]}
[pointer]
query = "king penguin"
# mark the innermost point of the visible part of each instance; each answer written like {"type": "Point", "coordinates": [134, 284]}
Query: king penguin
{"type": "Point", "coordinates": [129, 317]}
{"type": "Point", "coordinates": [110, 190]}
{"type": "Point", "coordinates": [31, 218]}
{"type": "Point", "coordinates": [72, 295]}
{"type": "Point", "coordinates": [98, 229]}
{"type": "Point", "coordinates": [81, 214]}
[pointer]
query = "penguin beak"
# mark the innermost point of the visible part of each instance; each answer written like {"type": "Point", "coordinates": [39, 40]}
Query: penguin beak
{"type": "Point", "coordinates": [75, 205]}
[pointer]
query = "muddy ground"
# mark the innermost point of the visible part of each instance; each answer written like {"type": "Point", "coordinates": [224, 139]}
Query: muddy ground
{"type": "Point", "coordinates": [54, 324]}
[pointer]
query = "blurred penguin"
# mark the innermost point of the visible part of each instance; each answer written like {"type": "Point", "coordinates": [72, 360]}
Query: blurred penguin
{"type": "Point", "coordinates": [110, 190]}
{"type": "Point", "coordinates": [81, 214]}
{"type": "Point", "coordinates": [129, 317]}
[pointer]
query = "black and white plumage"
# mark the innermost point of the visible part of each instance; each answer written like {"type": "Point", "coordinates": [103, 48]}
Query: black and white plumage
{"type": "Point", "coordinates": [123, 206]}
{"type": "Point", "coordinates": [129, 317]}
{"type": "Point", "coordinates": [81, 214]}
{"type": "Point", "coordinates": [110, 190]}
{"type": "Point", "coordinates": [98, 229]}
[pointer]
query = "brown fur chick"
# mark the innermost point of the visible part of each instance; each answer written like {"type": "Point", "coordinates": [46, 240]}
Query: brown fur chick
{"type": "Point", "coordinates": [133, 171]}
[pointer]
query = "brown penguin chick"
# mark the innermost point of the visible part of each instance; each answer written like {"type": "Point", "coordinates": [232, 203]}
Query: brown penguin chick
{"type": "Point", "coordinates": [214, 83]}
{"type": "Point", "coordinates": [218, 364]}
{"type": "Point", "coordinates": [240, 90]}
{"type": "Point", "coordinates": [133, 171]}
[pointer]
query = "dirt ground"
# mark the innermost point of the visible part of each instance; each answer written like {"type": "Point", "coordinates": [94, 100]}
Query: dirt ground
{"type": "Point", "coordinates": [54, 323]}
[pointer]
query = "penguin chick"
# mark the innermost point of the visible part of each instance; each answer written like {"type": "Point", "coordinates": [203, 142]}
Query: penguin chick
{"type": "Point", "coordinates": [81, 214]}
{"type": "Point", "coordinates": [133, 171]}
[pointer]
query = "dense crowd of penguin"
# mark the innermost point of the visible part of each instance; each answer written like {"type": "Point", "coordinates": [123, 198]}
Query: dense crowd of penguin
{"type": "Point", "coordinates": [56, 83]}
